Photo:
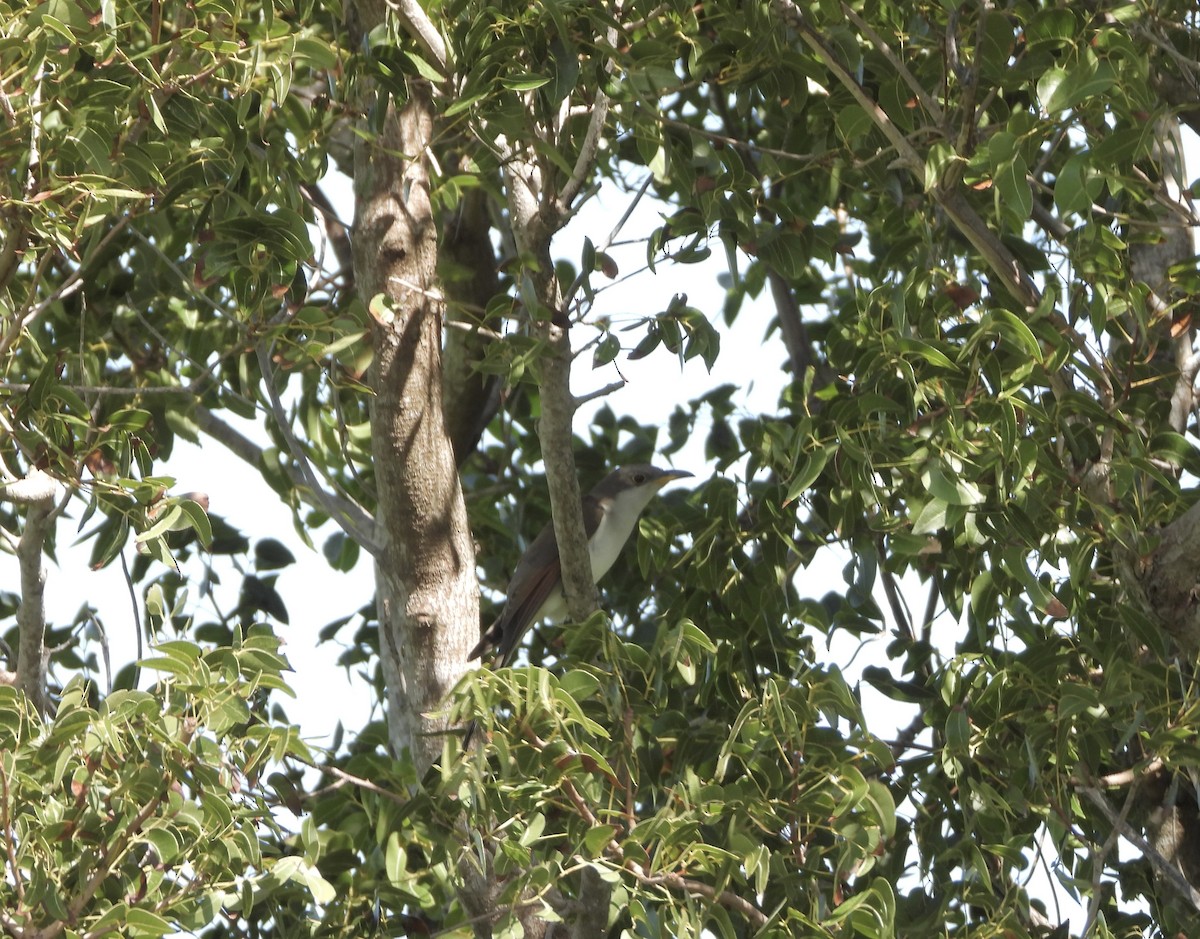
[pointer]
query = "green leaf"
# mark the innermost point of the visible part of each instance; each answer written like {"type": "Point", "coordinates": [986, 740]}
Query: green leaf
{"type": "Point", "coordinates": [939, 160]}
{"type": "Point", "coordinates": [931, 518]}
{"type": "Point", "coordinates": [598, 838]}
{"type": "Point", "coordinates": [528, 81]}
{"type": "Point", "coordinates": [950, 488]}
{"type": "Point", "coordinates": [806, 473]}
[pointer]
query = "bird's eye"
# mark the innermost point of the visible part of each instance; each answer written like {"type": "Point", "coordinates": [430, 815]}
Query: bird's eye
{"type": "Point", "coordinates": [639, 478]}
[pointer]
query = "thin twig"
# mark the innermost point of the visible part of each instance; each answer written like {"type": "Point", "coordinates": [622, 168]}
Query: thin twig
{"type": "Point", "coordinates": [586, 158]}
{"type": "Point", "coordinates": [137, 615]}
{"type": "Point", "coordinates": [18, 878]}
{"type": "Point", "coordinates": [20, 387]}
{"type": "Point", "coordinates": [349, 778]}
{"type": "Point", "coordinates": [895, 601]}
{"type": "Point", "coordinates": [672, 881]}
{"type": "Point", "coordinates": [898, 67]}
{"type": "Point", "coordinates": [1099, 862]}
{"type": "Point", "coordinates": [608, 389]}
{"type": "Point", "coordinates": [997, 256]}
{"type": "Point", "coordinates": [1161, 865]}
{"type": "Point", "coordinates": [350, 516]}
{"type": "Point", "coordinates": [418, 25]}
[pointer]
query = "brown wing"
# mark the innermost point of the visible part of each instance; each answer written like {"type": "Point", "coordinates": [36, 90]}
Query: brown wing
{"type": "Point", "coordinates": [535, 578]}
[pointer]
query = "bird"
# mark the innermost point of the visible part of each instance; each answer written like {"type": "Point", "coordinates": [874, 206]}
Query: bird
{"type": "Point", "coordinates": [610, 513]}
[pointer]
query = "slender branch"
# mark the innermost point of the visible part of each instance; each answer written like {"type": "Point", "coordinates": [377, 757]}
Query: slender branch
{"type": "Point", "coordinates": [110, 855]}
{"type": "Point", "coordinates": [748, 147]}
{"type": "Point", "coordinates": [1183, 398]}
{"type": "Point", "coordinates": [70, 285]}
{"type": "Point", "coordinates": [1161, 865]}
{"type": "Point", "coordinates": [6, 832]}
{"type": "Point", "coordinates": [20, 387]}
{"type": "Point", "coordinates": [586, 158]}
{"type": "Point", "coordinates": [352, 518]}
{"type": "Point", "coordinates": [418, 25]}
{"type": "Point", "coordinates": [349, 778]}
{"type": "Point", "coordinates": [229, 437]}
{"type": "Point", "coordinates": [35, 135]}
{"type": "Point", "coordinates": [608, 389]}
{"type": "Point", "coordinates": [895, 601]}
{"type": "Point", "coordinates": [36, 491]}
{"type": "Point", "coordinates": [688, 885]}
{"type": "Point", "coordinates": [337, 231]}
{"type": "Point", "coordinates": [1001, 261]}
{"type": "Point", "coordinates": [918, 90]}
{"type": "Point", "coordinates": [248, 451]}
{"type": "Point", "coordinates": [524, 185]}
{"type": "Point", "coordinates": [1099, 862]}
{"type": "Point", "coordinates": [672, 881]}
{"type": "Point", "coordinates": [137, 613]}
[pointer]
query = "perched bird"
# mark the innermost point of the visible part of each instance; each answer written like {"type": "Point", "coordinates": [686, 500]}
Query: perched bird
{"type": "Point", "coordinates": [610, 513]}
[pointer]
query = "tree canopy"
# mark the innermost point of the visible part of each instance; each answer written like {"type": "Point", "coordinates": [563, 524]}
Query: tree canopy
{"type": "Point", "coordinates": [973, 226]}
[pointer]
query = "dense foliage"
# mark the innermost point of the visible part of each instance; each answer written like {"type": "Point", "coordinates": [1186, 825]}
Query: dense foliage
{"type": "Point", "coordinates": [973, 229]}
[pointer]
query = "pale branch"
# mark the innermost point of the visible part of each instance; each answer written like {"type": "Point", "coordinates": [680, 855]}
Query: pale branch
{"type": "Point", "coordinates": [35, 134]}
{"type": "Point", "coordinates": [586, 158]}
{"type": "Point", "coordinates": [16, 876]}
{"type": "Point", "coordinates": [13, 236]}
{"type": "Point", "coordinates": [749, 147]}
{"type": "Point", "coordinates": [928, 102]}
{"type": "Point", "coordinates": [343, 778]}
{"type": "Point", "coordinates": [36, 492]}
{"type": "Point", "coordinates": [475, 329]}
{"type": "Point", "coordinates": [945, 193]}
{"type": "Point", "coordinates": [105, 649]}
{"type": "Point", "coordinates": [677, 883]}
{"type": "Point", "coordinates": [418, 25]}
{"type": "Point", "coordinates": [532, 236]}
{"type": "Point", "coordinates": [137, 614]}
{"type": "Point", "coordinates": [1100, 861]}
{"type": "Point", "coordinates": [1183, 398]}
{"type": "Point", "coordinates": [228, 436]}
{"type": "Point", "coordinates": [336, 231]}
{"type": "Point", "coordinates": [110, 855]}
{"type": "Point", "coordinates": [1161, 865]}
{"type": "Point", "coordinates": [801, 355]}
{"type": "Point", "coordinates": [101, 391]}
{"type": "Point", "coordinates": [609, 241]}
{"type": "Point", "coordinates": [599, 393]}
{"type": "Point", "coordinates": [895, 599]}
{"type": "Point", "coordinates": [70, 285]}
{"type": "Point", "coordinates": [970, 80]}
{"type": "Point", "coordinates": [354, 520]}
{"type": "Point", "coordinates": [346, 511]}
{"type": "Point", "coordinates": [950, 198]}
{"type": "Point", "coordinates": [18, 322]}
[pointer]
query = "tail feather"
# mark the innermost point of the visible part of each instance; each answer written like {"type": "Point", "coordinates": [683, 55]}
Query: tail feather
{"type": "Point", "coordinates": [487, 641]}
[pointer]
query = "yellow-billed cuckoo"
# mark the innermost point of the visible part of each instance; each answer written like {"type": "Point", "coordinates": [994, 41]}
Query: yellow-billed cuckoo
{"type": "Point", "coordinates": [610, 512]}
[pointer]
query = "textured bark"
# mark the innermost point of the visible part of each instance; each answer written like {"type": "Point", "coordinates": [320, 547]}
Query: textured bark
{"type": "Point", "coordinates": [428, 598]}
{"type": "Point", "coordinates": [1171, 581]}
{"type": "Point", "coordinates": [36, 492]}
{"type": "Point", "coordinates": [533, 223]}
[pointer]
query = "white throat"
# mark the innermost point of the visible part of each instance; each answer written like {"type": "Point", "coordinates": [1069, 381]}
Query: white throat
{"type": "Point", "coordinates": [616, 525]}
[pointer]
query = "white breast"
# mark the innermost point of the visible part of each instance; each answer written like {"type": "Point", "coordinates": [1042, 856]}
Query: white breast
{"type": "Point", "coordinates": [616, 525]}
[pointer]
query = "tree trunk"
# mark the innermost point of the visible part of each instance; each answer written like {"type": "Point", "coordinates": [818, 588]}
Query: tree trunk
{"type": "Point", "coordinates": [427, 594]}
